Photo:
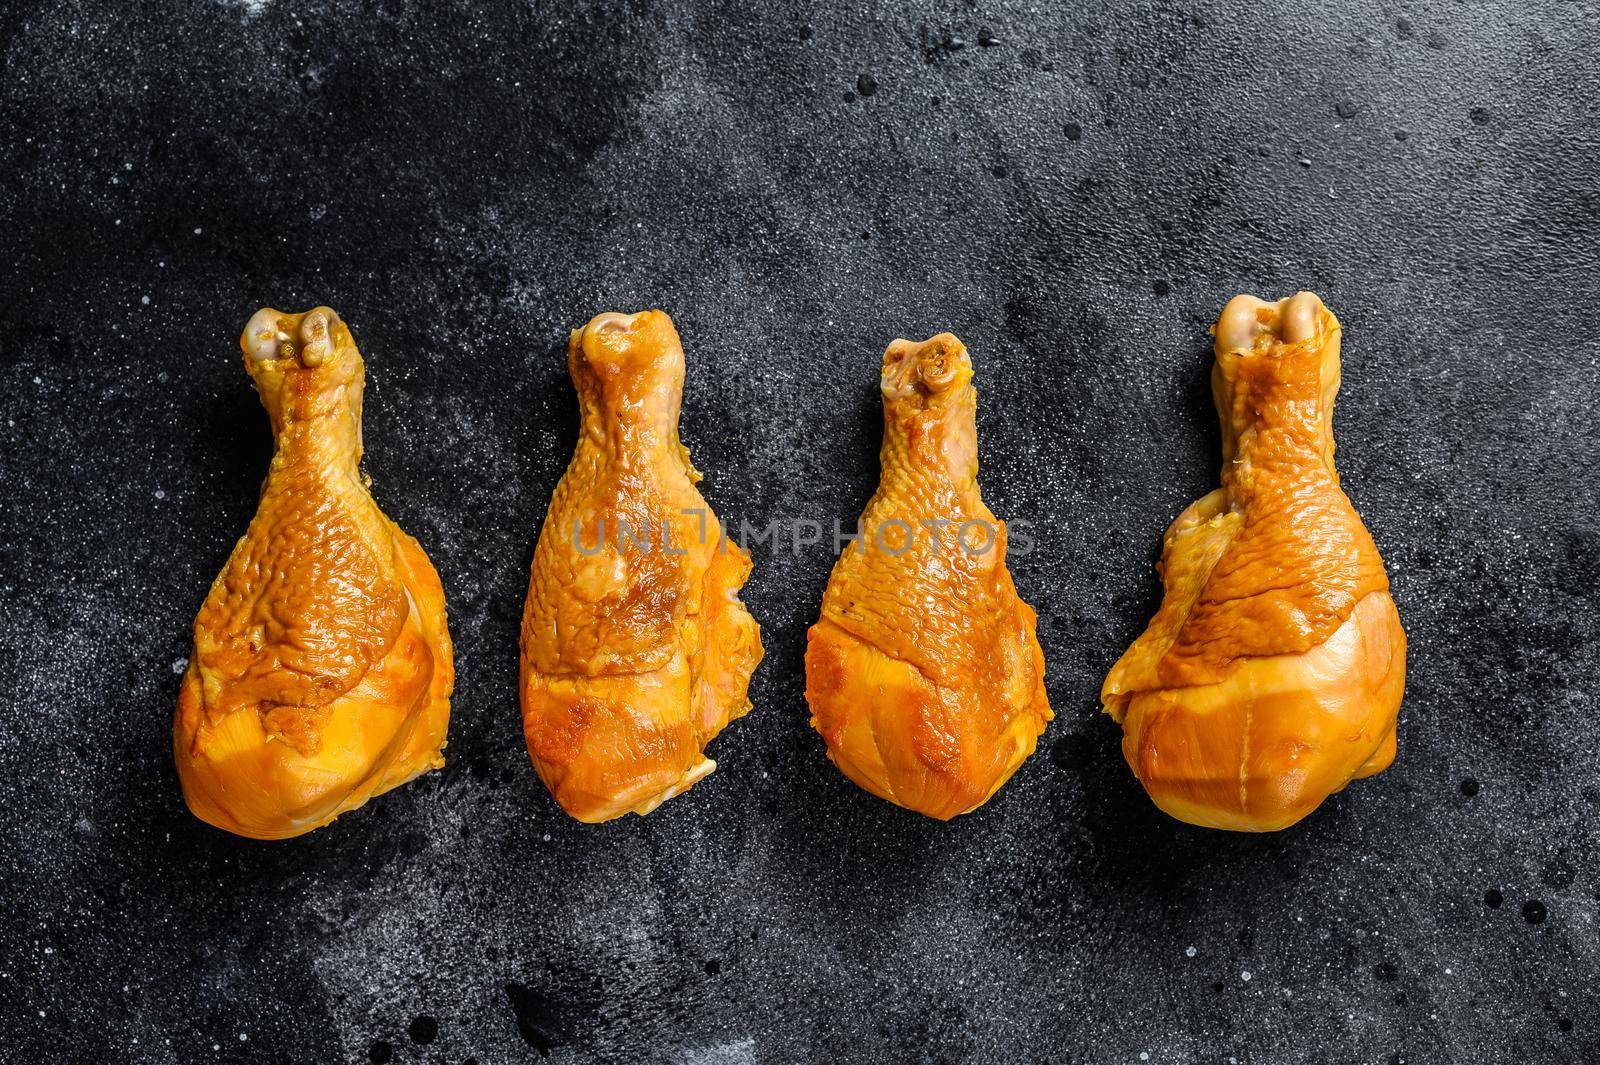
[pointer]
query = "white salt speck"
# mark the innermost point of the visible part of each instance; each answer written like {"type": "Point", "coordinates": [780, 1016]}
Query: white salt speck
{"type": "Point", "coordinates": [547, 837]}
{"type": "Point", "coordinates": [179, 665]}
{"type": "Point", "coordinates": [244, 1037]}
{"type": "Point", "coordinates": [145, 300]}
{"type": "Point", "coordinates": [1144, 1055]}
{"type": "Point", "coordinates": [198, 231]}
{"type": "Point", "coordinates": [1191, 952]}
{"type": "Point", "coordinates": [49, 950]}
{"type": "Point", "coordinates": [37, 381]}
{"type": "Point", "coordinates": [161, 493]}
{"type": "Point", "coordinates": [1245, 976]}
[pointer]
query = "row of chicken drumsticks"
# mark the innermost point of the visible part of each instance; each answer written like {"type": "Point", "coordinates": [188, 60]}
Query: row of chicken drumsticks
{"type": "Point", "coordinates": [1269, 678]}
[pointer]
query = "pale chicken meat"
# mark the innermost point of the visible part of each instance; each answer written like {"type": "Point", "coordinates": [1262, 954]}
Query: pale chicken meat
{"type": "Point", "coordinates": [1271, 676]}
{"type": "Point", "coordinates": [321, 672]}
{"type": "Point", "coordinates": [924, 673]}
{"type": "Point", "coordinates": [636, 651]}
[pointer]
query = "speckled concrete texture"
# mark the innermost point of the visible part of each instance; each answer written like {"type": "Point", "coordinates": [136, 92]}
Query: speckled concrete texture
{"type": "Point", "coordinates": [1075, 190]}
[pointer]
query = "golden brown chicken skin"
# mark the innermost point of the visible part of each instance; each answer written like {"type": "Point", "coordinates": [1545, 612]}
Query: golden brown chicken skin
{"type": "Point", "coordinates": [924, 673]}
{"type": "Point", "coordinates": [1271, 675]}
{"type": "Point", "coordinates": [636, 651]}
{"type": "Point", "coordinates": [322, 670]}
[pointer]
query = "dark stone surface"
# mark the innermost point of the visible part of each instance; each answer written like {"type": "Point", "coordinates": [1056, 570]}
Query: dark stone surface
{"type": "Point", "coordinates": [1076, 193]}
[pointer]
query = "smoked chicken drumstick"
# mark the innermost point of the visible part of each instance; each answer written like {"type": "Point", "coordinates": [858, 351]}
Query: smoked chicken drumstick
{"type": "Point", "coordinates": [321, 671]}
{"type": "Point", "coordinates": [636, 650]}
{"type": "Point", "coordinates": [1272, 673]}
{"type": "Point", "coordinates": [924, 673]}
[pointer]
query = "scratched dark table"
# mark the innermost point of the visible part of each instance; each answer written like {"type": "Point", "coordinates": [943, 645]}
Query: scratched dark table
{"type": "Point", "coordinates": [1075, 190]}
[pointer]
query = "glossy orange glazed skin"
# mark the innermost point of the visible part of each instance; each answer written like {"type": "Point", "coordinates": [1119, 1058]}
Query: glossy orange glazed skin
{"type": "Point", "coordinates": [1271, 675]}
{"type": "Point", "coordinates": [636, 651]}
{"type": "Point", "coordinates": [322, 670]}
{"type": "Point", "coordinates": [924, 672]}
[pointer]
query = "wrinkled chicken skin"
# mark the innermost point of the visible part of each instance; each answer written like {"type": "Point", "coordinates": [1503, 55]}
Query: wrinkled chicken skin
{"type": "Point", "coordinates": [322, 670]}
{"type": "Point", "coordinates": [924, 672]}
{"type": "Point", "coordinates": [636, 651]}
{"type": "Point", "coordinates": [1271, 675]}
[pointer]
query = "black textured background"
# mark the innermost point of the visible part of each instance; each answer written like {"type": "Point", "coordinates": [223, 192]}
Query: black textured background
{"type": "Point", "coordinates": [1075, 192]}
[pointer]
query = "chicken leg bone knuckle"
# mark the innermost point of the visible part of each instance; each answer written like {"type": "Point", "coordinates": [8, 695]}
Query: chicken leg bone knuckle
{"type": "Point", "coordinates": [932, 367]}
{"type": "Point", "coordinates": [322, 667]}
{"type": "Point", "coordinates": [924, 673]}
{"type": "Point", "coordinates": [311, 338]}
{"type": "Point", "coordinates": [635, 650]}
{"type": "Point", "coordinates": [1272, 673]}
{"type": "Point", "coordinates": [1246, 319]}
